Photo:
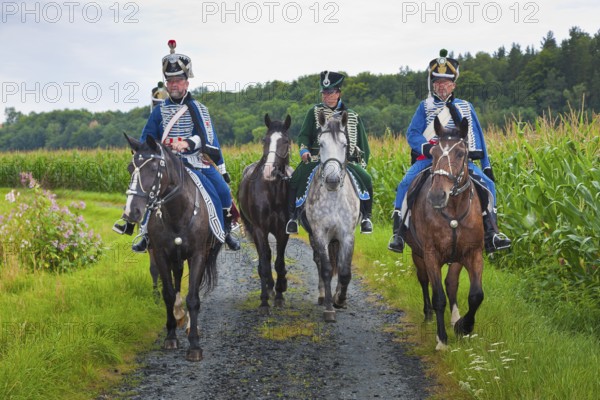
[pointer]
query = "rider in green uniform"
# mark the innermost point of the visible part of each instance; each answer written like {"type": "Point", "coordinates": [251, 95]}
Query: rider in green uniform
{"type": "Point", "coordinates": [308, 141]}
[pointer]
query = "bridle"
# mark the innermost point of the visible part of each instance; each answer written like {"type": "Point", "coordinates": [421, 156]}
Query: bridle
{"type": "Point", "coordinates": [277, 172]}
{"type": "Point", "coordinates": [152, 195]}
{"type": "Point", "coordinates": [329, 161]}
{"type": "Point", "coordinates": [457, 179]}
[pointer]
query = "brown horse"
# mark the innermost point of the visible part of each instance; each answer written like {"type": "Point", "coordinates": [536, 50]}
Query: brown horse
{"type": "Point", "coordinates": [447, 228]}
{"type": "Point", "coordinates": [262, 197]}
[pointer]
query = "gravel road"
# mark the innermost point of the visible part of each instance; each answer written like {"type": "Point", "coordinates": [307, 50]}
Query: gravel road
{"type": "Point", "coordinates": [290, 354]}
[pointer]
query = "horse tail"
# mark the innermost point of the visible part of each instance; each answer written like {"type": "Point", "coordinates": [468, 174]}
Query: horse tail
{"type": "Point", "coordinates": [209, 278]}
{"type": "Point", "coordinates": [334, 248]}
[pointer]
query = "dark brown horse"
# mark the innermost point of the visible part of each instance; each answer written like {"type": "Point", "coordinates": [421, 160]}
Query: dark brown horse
{"type": "Point", "coordinates": [178, 229]}
{"type": "Point", "coordinates": [447, 228]}
{"type": "Point", "coordinates": [262, 197]}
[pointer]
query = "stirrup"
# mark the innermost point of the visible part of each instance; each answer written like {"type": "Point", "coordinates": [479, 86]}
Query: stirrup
{"type": "Point", "coordinates": [366, 226]}
{"type": "Point", "coordinates": [124, 228]}
{"type": "Point", "coordinates": [291, 227]}
{"type": "Point", "coordinates": [396, 243]}
{"type": "Point", "coordinates": [141, 246]}
{"type": "Point", "coordinates": [498, 241]}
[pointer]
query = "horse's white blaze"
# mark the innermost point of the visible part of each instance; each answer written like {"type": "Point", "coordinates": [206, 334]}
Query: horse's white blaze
{"type": "Point", "coordinates": [455, 315]}
{"type": "Point", "coordinates": [269, 164]}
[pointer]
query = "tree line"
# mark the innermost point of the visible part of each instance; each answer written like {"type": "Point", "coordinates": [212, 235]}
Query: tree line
{"type": "Point", "coordinates": [510, 84]}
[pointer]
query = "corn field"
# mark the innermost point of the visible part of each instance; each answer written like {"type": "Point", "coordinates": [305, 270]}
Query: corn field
{"type": "Point", "coordinates": [547, 177]}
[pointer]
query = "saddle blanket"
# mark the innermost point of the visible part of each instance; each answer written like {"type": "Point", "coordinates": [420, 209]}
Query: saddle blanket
{"type": "Point", "coordinates": [215, 216]}
{"type": "Point", "coordinates": [362, 193]}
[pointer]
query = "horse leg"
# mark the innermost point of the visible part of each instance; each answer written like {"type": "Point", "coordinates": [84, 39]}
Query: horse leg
{"type": "Point", "coordinates": [154, 275]}
{"type": "Point", "coordinates": [196, 267]}
{"type": "Point", "coordinates": [326, 275]}
{"type": "Point", "coordinates": [178, 310]}
{"type": "Point", "coordinates": [474, 266]}
{"type": "Point", "coordinates": [261, 241]}
{"type": "Point", "coordinates": [281, 285]}
{"type": "Point", "coordinates": [344, 268]}
{"type": "Point", "coordinates": [168, 293]}
{"type": "Point", "coordinates": [438, 299]}
{"type": "Point", "coordinates": [452, 290]}
{"type": "Point", "coordinates": [317, 260]}
{"type": "Point", "coordinates": [424, 281]}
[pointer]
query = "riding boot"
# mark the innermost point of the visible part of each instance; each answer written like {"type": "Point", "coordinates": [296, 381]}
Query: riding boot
{"type": "Point", "coordinates": [493, 239]}
{"type": "Point", "coordinates": [124, 228]}
{"type": "Point", "coordinates": [366, 226]}
{"type": "Point", "coordinates": [292, 225]}
{"type": "Point", "coordinates": [231, 241]}
{"type": "Point", "coordinates": [396, 243]}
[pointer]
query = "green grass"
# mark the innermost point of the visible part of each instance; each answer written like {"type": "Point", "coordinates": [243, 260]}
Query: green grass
{"type": "Point", "coordinates": [69, 336]}
{"type": "Point", "coordinates": [516, 351]}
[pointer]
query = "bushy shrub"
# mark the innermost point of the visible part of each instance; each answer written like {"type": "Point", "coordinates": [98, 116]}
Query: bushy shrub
{"type": "Point", "coordinates": [40, 234]}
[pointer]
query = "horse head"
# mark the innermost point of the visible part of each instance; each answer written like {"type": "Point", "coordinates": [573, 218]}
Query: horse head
{"type": "Point", "coordinates": [333, 145]}
{"type": "Point", "coordinates": [450, 163]}
{"type": "Point", "coordinates": [276, 148]}
{"type": "Point", "coordinates": [148, 177]}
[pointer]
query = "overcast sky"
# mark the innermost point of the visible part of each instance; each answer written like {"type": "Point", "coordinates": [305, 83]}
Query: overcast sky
{"type": "Point", "coordinates": [106, 55]}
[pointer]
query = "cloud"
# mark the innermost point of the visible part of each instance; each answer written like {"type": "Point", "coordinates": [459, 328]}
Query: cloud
{"type": "Point", "coordinates": [106, 55]}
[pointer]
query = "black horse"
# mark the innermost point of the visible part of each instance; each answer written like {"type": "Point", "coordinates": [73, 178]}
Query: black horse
{"type": "Point", "coordinates": [178, 229]}
{"type": "Point", "coordinates": [262, 197]}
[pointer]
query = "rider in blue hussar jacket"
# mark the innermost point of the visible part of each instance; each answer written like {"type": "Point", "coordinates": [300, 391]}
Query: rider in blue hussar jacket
{"type": "Point", "coordinates": [191, 134]}
{"type": "Point", "coordinates": [442, 75]}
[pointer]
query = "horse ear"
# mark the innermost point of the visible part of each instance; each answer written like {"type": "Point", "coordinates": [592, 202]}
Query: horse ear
{"type": "Point", "coordinates": [133, 143]}
{"type": "Point", "coordinates": [287, 123]}
{"type": "Point", "coordinates": [344, 119]}
{"type": "Point", "coordinates": [150, 141]}
{"type": "Point", "coordinates": [464, 128]}
{"type": "Point", "coordinates": [321, 119]}
{"type": "Point", "coordinates": [267, 120]}
{"type": "Point", "coordinates": [437, 126]}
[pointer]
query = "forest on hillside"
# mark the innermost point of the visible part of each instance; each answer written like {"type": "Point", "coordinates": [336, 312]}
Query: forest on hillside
{"type": "Point", "coordinates": [510, 84]}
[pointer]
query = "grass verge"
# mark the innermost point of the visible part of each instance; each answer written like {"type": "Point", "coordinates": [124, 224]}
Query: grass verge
{"type": "Point", "coordinates": [515, 351]}
{"type": "Point", "coordinates": [68, 336]}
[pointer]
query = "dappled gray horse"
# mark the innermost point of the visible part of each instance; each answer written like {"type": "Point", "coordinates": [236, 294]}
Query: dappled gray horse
{"type": "Point", "coordinates": [332, 213]}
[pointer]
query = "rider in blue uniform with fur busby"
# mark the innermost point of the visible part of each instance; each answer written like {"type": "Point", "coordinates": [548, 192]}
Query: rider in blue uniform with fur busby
{"type": "Point", "coordinates": [443, 72]}
{"type": "Point", "coordinates": [184, 124]}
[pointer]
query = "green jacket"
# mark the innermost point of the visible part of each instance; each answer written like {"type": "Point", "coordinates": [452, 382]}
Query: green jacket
{"type": "Point", "coordinates": [358, 146]}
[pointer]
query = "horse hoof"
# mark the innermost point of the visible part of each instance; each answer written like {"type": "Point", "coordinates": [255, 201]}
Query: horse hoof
{"type": "Point", "coordinates": [441, 346]}
{"type": "Point", "coordinates": [279, 303]}
{"type": "Point", "coordinates": [337, 303]}
{"type": "Point", "coordinates": [264, 310]}
{"type": "Point", "coordinates": [194, 355]}
{"type": "Point", "coordinates": [171, 344]}
{"type": "Point", "coordinates": [461, 329]}
{"type": "Point", "coordinates": [320, 300]}
{"type": "Point", "coordinates": [329, 316]}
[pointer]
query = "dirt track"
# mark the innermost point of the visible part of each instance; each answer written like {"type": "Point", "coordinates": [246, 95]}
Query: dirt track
{"type": "Point", "coordinates": [243, 358]}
